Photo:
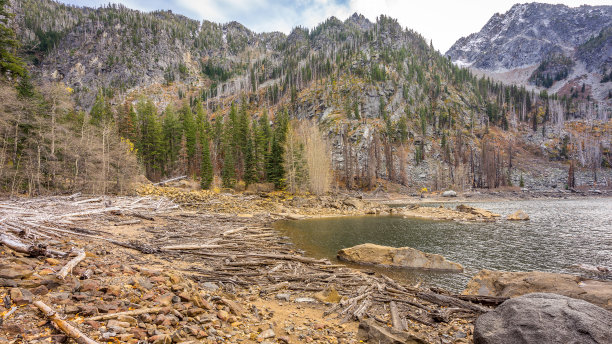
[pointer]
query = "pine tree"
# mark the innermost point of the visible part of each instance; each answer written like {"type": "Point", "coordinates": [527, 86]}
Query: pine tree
{"type": "Point", "coordinates": [274, 167]}
{"type": "Point", "coordinates": [262, 144]}
{"type": "Point", "coordinates": [150, 144]}
{"type": "Point", "coordinates": [206, 170]}
{"type": "Point", "coordinates": [10, 64]}
{"type": "Point", "coordinates": [172, 135]}
{"type": "Point", "coordinates": [228, 173]}
{"type": "Point", "coordinates": [190, 132]}
{"type": "Point", "coordinates": [101, 111]}
{"type": "Point", "coordinates": [250, 172]}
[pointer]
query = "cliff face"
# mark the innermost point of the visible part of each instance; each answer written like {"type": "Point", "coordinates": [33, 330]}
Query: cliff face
{"type": "Point", "coordinates": [552, 47]}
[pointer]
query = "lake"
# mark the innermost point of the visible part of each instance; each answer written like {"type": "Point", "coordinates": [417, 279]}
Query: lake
{"type": "Point", "coordinates": [560, 235]}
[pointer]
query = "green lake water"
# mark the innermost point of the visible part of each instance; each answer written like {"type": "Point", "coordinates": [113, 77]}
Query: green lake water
{"type": "Point", "coordinates": [560, 235]}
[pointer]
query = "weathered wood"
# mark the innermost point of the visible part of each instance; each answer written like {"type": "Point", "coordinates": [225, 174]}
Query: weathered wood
{"type": "Point", "coordinates": [128, 222]}
{"type": "Point", "coordinates": [233, 231]}
{"type": "Point", "coordinates": [63, 325]}
{"type": "Point", "coordinates": [485, 300]}
{"type": "Point", "coordinates": [449, 301]}
{"type": "Point", "coordinates": [143, 216]}
{"type": "Point", "coordinates": [190, 247]}
{"type": "Point", "coordinates": [19, 246]}
{"type": "Point", "coordinates": [127, 313]}
{"type": "Point", "coordinates": [71, 264]}
{"type": "Point", "coordinates": [396, 320]}
{"type": "Point", "coordinates": [170, 180]}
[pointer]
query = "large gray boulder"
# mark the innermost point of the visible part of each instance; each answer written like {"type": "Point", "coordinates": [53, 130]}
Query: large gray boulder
{"type": "Point", "coordinates": [544, 318]}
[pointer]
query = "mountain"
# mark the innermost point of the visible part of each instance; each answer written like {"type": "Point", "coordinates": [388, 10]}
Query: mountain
{"type": "Point", "coordinates": [544, 46]}
{"type": "Point", "coordinates": [394, 110]}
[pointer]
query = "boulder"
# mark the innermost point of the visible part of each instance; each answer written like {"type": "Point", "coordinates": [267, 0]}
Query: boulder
{"type": "Point", "coordinates": [449, 193]}
{"type": "Point", "coordinates": [513, 284]}
{"type": "Point", "coordinates": [405, 257]}
{"type": "Point", "coordinates": [519, 215]}
{"type": "Point", "coordinates": [544, 318]}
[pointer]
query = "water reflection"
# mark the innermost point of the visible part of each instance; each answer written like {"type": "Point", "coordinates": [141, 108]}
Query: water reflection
{"type": "Point", "coordinates": [561, 233]}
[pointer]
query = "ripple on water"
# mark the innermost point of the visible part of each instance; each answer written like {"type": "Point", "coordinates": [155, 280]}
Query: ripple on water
{"type": "Point", "coordinates": [561, 233]}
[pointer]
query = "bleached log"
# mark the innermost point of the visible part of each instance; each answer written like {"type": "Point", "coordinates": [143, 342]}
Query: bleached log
{"type": "Point", "coordinates": [63, 325]}
{"type": "Point", "coordinates": [71, 264]}
{"type": "Point", "coordinates": [19, 246]}
{"type": "Point", "coordinates": [396, 320]}
{"type": "Point", "coordinates": [232, 231]}
{"type": "Point", "coordinates": [189, 247]}
{"type": "Point", "coordinates": [170, 180]}
{"type": "Point", "coordinates": [127, 313]}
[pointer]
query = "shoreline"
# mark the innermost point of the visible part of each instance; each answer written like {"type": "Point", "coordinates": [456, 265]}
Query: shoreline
{"type": "Point", "coordinates": [208, 276]}
{"type": "Point", "coordinates": [218, 270]}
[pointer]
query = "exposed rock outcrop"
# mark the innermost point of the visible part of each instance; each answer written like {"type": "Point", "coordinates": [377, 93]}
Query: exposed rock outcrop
{"type": "Point", "coordinates": [462, 213]}
{"type": "Point", "coordinates": [476, 211]}
{"type": "Point", "coordinates": [513, 284]}
{"type": "Point", "coordinates": [405, 257]}
{"type": "Point", "coordinates": [519, 215]}
{"type": "Point", "coordinates": [544, 318]}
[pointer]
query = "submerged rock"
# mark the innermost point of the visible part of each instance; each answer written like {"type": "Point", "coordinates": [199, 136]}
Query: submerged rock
{"type": "Point", "coordinates": [519, 215]}
{"type": "Point", "coordinates": [405, 257]}
{"type": "Point", "coordinates": [544, 318]}
{"type": "Point", "coordinates": [513, 284]}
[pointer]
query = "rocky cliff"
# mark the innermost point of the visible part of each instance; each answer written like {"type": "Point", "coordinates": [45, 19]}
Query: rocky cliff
{"type": "Point", "coordinates": [518, 46]}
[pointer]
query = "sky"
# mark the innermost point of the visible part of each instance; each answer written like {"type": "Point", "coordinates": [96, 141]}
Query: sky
{"type": "Point", "coordinates": [443, 22]}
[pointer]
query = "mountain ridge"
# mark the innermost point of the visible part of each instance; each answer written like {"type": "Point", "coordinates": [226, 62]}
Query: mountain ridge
{"type": "Point", "coordinates": [517, 46]}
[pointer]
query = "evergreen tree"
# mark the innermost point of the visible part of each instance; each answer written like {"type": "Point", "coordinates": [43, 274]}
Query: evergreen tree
{"type": "Point", "coordinates": [206, 170]}
{"type": "Point", "coordinates": [190, 132]}
{"type": "Point", "coordinates": [172, 135]}
{"type": "Point", "coordinates": [250, 172]}
{"type": "Point", "coordinates": [274, 168]}
{"type": "Point", "coordinates": [150, 143]}
{"type": "Point", "coordinates": [10, 64]}
{"type": "Point", "coordinates": [101, 111]}
{"type": "Point", "coordinates": [262, 144]}
{"type": "Point", "coordinates": [228, 173]}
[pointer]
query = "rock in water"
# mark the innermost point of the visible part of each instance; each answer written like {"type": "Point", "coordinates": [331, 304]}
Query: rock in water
{"type": "Point", "coordinates": [513, 284]}
{"type": "Point", "coordinates": [449, 193]}
{"type": "Point", "coordinates": [519, 215]}
{"type": "Point", "coordinates": [405, 257]}
{"type": "Point", "coordinates": [544, 318]}
{"type": "Point", "coordinates": [476, 211]}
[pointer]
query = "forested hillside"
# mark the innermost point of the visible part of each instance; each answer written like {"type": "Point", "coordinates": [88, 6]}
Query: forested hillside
{"type": "Point", "coordinates": [351, 104]}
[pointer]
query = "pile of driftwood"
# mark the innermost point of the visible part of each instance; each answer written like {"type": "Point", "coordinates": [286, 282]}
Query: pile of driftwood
{"type": "Point", "coordinates": [231, 251]}
{"type": "Point", "coordinates": [27, 225]}
{"type": "Point", "coordinates": [247, 252]}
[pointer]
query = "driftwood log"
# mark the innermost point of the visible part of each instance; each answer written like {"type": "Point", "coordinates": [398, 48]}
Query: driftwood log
{"type": "Point", "coordinates": [71, 264]}
{"type": "Point", "coordinates": [19, 246]}
{"type": "Point", "coordinates": [127, 313]}
{"type": "Point", "coordinates": [63, 325]}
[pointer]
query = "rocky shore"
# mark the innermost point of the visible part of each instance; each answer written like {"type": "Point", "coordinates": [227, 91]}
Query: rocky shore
{"type": "Point", "coordinates": [171, 266]}
{"type": "Point", "coordinates": [178, 267]}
